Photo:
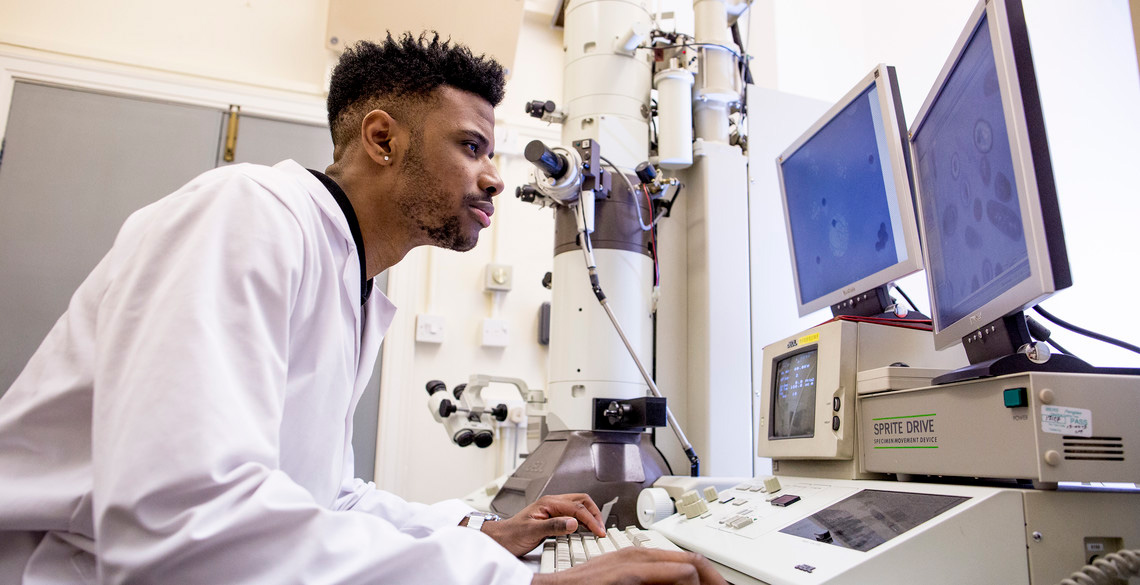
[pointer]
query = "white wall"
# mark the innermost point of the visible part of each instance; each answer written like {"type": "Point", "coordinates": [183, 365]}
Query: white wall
{"type": "Point", "coordinates": [265, 43]}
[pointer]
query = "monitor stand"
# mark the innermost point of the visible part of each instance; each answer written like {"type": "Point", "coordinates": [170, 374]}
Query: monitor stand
{"type": "Point", "coordinates": [875, 304]}
{"type": "Point", "coordinates": [1005, 347]}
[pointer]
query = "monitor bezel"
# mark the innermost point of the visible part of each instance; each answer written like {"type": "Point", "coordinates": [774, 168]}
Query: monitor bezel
{"type": "Point", "coordinates": [890, 108]}
{"type": "Point", "coordinates": [1032, 167]}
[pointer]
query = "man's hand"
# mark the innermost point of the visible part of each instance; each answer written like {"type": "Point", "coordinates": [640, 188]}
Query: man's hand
{"type": "Point", "coordinates": [638, 566]}
{"type": "Point", "coordinates": [546, 517]}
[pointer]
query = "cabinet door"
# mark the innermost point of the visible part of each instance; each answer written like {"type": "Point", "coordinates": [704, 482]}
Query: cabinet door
{"type": "Point", "coordinates": [74, 165]}
{"type": "Point", "coordinates": [267, 142]}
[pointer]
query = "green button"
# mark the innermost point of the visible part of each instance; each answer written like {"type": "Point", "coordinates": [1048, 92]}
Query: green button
{"type": "Point", "coordinates": [1015, 397]}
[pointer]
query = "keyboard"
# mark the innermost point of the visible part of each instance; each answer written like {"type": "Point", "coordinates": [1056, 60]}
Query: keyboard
{"type": "Point", "coordinates": [562, 552]}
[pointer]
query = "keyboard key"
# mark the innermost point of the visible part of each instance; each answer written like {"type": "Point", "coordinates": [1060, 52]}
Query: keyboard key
{"type": "Point", "coordinates": [547, 565]}
{"type": "Point", "coordinates": [563, 552]}
{"type": "Point", "coordinates": [577, 551]}
{"type": "Point", "coordinates": [619, 538]}
{"type": "Point", "coordinates": [591, 544]}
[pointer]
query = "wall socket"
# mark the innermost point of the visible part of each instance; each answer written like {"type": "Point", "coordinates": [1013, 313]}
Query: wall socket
{"type": "Point", "coordinates": [429, 328]}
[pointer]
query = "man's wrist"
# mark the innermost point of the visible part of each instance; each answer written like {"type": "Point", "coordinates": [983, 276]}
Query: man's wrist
{"type": "Point", "coordinates": [475, 520]}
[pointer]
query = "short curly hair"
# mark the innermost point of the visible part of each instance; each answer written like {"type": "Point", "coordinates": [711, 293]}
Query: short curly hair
{"type": "Point", "coordinates": [399, 75]}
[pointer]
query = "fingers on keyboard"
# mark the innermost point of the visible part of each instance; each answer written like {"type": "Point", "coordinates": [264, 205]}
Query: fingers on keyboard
{"type": "Point", "coordinates": [562, 552]}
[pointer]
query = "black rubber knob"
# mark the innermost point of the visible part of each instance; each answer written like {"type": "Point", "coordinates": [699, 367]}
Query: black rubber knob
{"type": "Point", "coordinates": [446, 408]}
{"type": "Point", "coordinates": [499, 412]}
{"type": "Point", "coordinates": [434, 386]}
{"type": "Point", "coordinates": [539, 108]}
{"type": "Point", "coordinates": [645, 172]}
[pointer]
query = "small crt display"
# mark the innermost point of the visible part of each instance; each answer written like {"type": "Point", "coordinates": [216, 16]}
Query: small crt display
{"type": "Point", "coordinates": [793, 397]}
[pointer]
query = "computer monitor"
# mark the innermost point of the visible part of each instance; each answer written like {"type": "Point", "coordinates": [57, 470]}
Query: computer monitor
{"type": "Point", "coordinates": [987, 201]}
{"type": "Point", "coordinates": [846, 189]}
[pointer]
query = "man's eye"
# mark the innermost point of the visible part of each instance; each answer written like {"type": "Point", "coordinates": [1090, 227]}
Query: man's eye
{"type": "Point", "coordinates": [473, 146]}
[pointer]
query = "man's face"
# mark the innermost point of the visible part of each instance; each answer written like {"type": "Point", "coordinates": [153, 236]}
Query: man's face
{"type": "Point", "coordinates": [447, 178]}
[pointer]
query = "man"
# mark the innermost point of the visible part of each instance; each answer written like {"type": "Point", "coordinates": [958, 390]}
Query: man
{"type": "Point", "coordinates": [188, 419]}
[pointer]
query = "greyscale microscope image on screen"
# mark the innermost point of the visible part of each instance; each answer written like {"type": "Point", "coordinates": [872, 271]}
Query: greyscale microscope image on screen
{"type": "Point", "coordinates": [977, 248]}
{"type": "Point", "coordinates": [871, 517]}
{"type": "Point", "coordinates": [793, 401]}
{"type": "Point", "coordinates": [840, 184]}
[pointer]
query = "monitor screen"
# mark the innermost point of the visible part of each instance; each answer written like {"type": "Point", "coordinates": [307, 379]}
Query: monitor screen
{"type": "Point", "coordinates": [977, 246]}
{"type": "Point", "coordinates": [989, 215]}
{"type": "Point", "coordinates": [793, 396]}
{"type": "Point", "coordinates": [847, 198]}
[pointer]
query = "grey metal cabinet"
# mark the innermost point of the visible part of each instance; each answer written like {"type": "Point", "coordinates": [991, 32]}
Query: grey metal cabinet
{"type": "Point", "coordinates": [75, 163]}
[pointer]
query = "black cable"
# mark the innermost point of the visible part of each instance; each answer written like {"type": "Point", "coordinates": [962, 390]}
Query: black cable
{"type": "Point", "coordinates": [746, 74]}
{"type": "Point", "coordinates": [1086, 332]}
{"type": "Point", "coordinates": [1041, 333]}
{"type": "Point", "coordinates": [675, 194]}
{"type": "Point", "coordinates": [668, 466]}
{"type": "Point", "coordinates": [907, 299]}
{"type": "Point", "coordinates": [656, 137]}
{"type": "Point", "coordinates": [1058, 347]}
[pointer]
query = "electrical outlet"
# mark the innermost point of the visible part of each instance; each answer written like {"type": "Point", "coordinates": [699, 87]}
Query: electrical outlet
{"type": "Point", "coordinates": [495, 333]}
{"type": "Point", "coordinates": [429, 328]}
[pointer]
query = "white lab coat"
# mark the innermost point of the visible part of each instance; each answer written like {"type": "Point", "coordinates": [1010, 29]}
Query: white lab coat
{"type": "Point", "coordinates": [188, 419]}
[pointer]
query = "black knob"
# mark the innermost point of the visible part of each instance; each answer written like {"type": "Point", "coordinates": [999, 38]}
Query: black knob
{"type": "Point", "coordinates": [539, 108]}
{"type": "Point", "coordinates": [547, 279]}
{"type": "Point", "coordinates": [458, 391]}
{"type": "Point", "coordinates": [434, 386]}
{"type": "Point", "coordinates": [527, 193]}
{"type": "Point", "coordinates": [464, 438]}
{"type": "Point", "coordinates": [549, 162]}
{"type": "Point", "coordinates": [499, 412]}
{"type": "Point", "coordinates": [483, 439]}
{"type": "Point", "coordinates": [645, 172]}
{"type": "Point", "coordinates": [446, 408]}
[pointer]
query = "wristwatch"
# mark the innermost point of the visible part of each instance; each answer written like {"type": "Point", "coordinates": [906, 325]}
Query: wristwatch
{"type": "Point", "coordinates": [475, 520]}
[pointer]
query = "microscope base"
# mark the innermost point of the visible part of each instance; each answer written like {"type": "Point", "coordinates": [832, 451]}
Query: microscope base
{"type": "Point", "coordinates": [606, 465]}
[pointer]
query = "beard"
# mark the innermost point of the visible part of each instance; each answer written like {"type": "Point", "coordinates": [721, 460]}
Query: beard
{"type": "Point", "coordinates": [431, 209]}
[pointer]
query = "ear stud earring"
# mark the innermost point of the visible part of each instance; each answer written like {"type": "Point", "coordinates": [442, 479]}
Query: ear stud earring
{"type": "Point", "coordinates": [385, 157]}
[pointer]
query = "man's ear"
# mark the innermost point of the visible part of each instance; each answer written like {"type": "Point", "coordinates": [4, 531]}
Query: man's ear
{"type": "Point", "coordinates": [378, 135]}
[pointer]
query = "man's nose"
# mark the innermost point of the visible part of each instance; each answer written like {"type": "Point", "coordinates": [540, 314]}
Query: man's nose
{"type": "Point", "coordinates": [490, 182]}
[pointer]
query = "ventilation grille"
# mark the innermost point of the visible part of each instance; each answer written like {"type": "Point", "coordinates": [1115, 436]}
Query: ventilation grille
{"type": "Point", "coordinates": [1093, 448]}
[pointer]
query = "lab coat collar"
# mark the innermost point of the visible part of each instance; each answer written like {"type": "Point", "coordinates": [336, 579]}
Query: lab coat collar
{"type": "Point", "coordinates": [354, 226]}
{"type": "Point", "coordinates": [380, 310]}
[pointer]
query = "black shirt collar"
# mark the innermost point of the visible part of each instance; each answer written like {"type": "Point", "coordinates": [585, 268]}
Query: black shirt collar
{"type": "Point", "coordinates": [353, 226]}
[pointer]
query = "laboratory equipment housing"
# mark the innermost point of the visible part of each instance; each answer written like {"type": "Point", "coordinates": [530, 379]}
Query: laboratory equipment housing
{"type": "Point", "coordinates": [963, 452]}
{"type": "Point", "coordinates": [881, 473]}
